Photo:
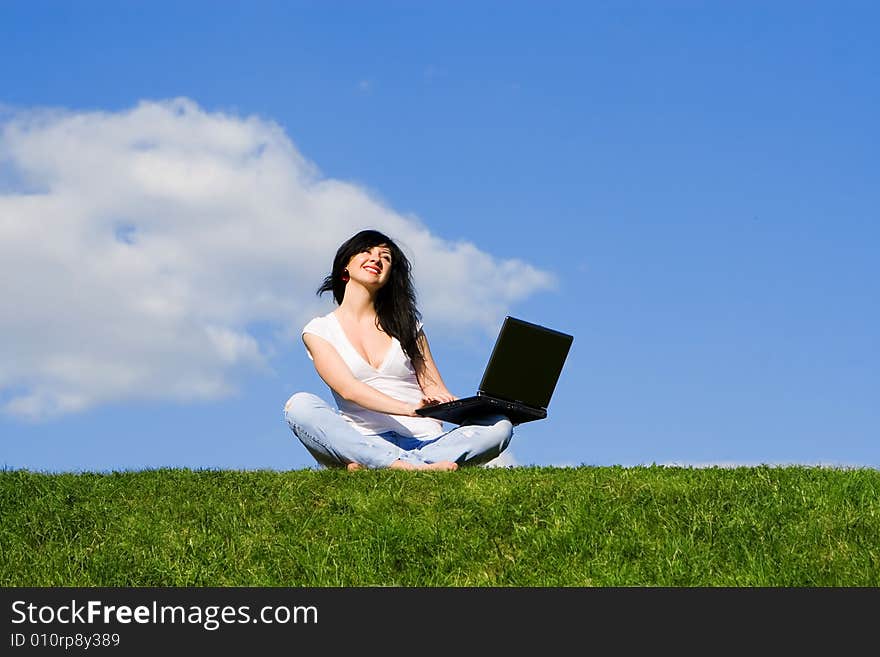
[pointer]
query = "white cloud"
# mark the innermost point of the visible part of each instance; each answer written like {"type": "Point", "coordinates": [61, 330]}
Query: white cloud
{"type": "Point", "coordinates": [138, 249]}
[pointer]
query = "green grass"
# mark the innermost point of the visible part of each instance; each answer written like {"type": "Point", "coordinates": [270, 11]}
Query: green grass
{"type": "Point", "coordinates": [535, 526]}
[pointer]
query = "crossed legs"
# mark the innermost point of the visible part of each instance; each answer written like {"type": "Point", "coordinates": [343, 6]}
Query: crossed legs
{"type": "Point", "coordinates": [333, 442]}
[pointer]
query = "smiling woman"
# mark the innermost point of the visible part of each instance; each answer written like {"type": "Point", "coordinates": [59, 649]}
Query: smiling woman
{"type": "Point", "coordinates": [373, 354]}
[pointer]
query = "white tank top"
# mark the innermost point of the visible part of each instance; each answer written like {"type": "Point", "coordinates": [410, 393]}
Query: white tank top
{"type": "Point", "coordinates": [395, 377]}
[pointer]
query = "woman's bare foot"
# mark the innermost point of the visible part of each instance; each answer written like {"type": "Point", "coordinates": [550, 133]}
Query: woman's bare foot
{"type": "Point", "coordinates": [439, 465]}
{"type": "Point", "coordinates": [354, 466]}
{"type": "Point", "coordinates": [442, 465]}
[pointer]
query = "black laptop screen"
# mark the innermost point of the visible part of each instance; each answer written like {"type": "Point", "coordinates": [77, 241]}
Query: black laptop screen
{"type": "Point", "coordinates": [525, 363]}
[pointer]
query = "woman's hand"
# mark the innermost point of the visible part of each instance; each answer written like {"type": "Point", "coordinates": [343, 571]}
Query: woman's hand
{"type": "Point", "coordinates": [436, 396]}
{"type": "Point", "coordinates": [429, 399]}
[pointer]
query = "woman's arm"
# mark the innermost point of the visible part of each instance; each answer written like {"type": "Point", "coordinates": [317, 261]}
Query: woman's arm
{"type": "Point", "coordinates": [429, 376]}
{"type": "Point", "coordinates": [336, 374]}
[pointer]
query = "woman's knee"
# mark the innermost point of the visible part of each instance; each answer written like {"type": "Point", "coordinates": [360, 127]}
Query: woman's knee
{"type": "Point", "coordinates": [301, 404]}
{"type": "Point", "coordinates": [494, 437]}
{"type": "Point", "coordinates": [496, 430]}
{"type": "Point", "coordinates": [504, 427]}
{"type": "Point", "coordinates": [500, 427]}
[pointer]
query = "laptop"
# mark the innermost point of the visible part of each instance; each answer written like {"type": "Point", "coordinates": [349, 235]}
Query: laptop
{"type": "Point", "coordinates": [519, 378]}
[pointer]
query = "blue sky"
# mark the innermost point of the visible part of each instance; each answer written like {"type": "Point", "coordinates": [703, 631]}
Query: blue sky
{"type": "Point", "coordinates": [688, 188]}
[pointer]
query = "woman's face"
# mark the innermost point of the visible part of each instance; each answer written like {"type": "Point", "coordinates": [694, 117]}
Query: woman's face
{"type": "Point", "coordinates": [371, 267]}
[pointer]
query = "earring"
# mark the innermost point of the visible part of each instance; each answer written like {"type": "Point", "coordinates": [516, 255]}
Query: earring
{"type": "Point", "coordinates": [344, 276]}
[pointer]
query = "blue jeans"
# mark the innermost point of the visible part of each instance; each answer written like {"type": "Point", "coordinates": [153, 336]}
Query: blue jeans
{"type": "Point", "coordinates": [335, 443]}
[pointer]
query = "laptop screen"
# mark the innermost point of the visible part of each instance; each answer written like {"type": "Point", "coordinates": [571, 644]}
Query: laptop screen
{"type": "Point", "coordinates": [525, 363]}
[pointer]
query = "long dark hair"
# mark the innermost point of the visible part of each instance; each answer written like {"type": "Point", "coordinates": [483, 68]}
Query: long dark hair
{"type": "Point", "coordinates": [396, 310]}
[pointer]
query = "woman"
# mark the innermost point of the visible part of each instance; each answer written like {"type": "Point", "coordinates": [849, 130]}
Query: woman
{"type": "Point", "coordinates": [372, 353]}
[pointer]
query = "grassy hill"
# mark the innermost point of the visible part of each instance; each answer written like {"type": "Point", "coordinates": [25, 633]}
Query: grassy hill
{"type": "Point", "coordinates": [536, 526]}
